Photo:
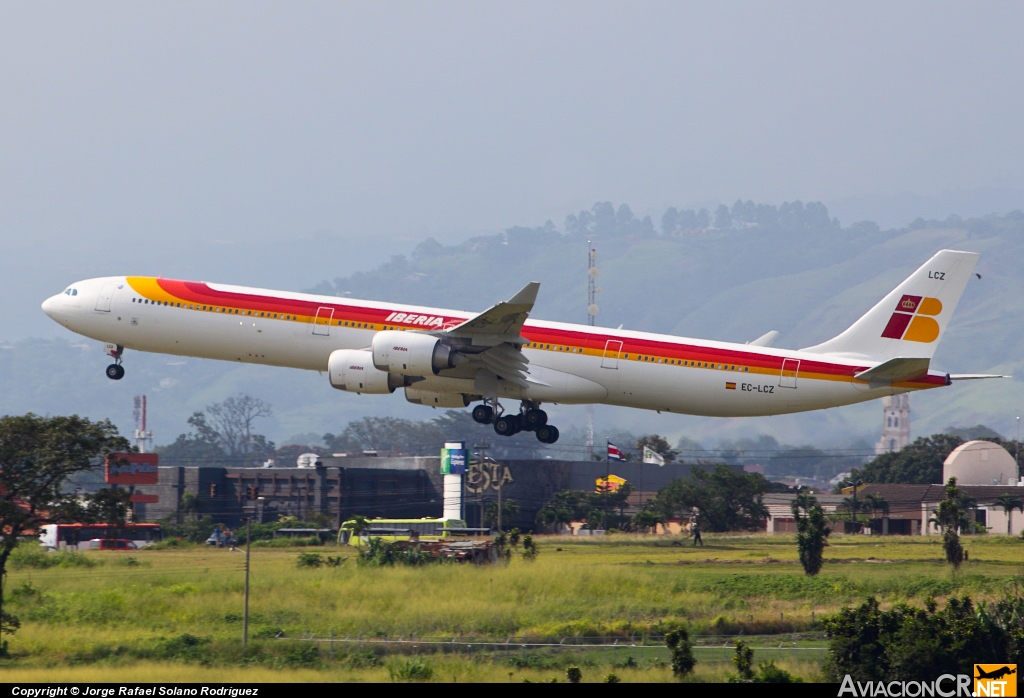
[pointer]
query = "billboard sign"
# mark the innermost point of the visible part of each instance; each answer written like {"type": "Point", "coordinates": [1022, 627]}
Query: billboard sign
{"type": "Point", "coordinates": [454, 458]}
{"type": "Point", "coordinates": [131, 469]}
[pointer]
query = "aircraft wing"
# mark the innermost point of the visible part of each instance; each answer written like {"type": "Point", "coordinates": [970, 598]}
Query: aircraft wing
{"type": "Point", "coordinates": [500, 323]}
{"type": "Point", "coordinates": [492, 341]}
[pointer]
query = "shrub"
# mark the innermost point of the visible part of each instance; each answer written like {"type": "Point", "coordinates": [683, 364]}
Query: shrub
{"type": "Point", "coordinates": [184, 646]}
{"type": "Point", "coordinates": [309, 560]}
{"type": "Point", "coordinates": [411, 670]}
{"type": "Point", "coordinates": [743, 659]}
{"type": "Point", "coordinates": [812, 533]}
{"type": "Point", "coordinates": [34, 556]}
{"type": "Point", "coordinates": [767, 672]}
{"type": "Point", "coordinates": [683, 662]}
{"type": "Point", "coordinates": [905, 643]}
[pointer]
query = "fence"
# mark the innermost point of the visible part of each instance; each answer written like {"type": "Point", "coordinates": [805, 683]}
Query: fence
{"type": "Point", "coordinates": [711, 649]}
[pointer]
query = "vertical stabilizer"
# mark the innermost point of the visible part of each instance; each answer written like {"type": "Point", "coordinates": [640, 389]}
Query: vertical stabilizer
{"type": "Point", "coordinates": [909, 322]}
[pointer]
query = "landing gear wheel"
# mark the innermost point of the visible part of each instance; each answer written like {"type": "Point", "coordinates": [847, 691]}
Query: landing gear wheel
{"type": "Point", "coordinates": [547, 434]}
{"type": "Point", "coordinates": [115, 372]}
{"type": "Point", "coordinates": [483, 414]}
{"type": "Point", "coordinates": [507, 425]}
{"type": "Point", "coordinates": [534, 418]}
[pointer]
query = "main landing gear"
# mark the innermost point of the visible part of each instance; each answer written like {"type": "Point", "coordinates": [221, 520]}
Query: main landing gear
{"type": "Point", "coordinates": [115, 371]}
{"type": "Point", "coordinates": [530, 418]}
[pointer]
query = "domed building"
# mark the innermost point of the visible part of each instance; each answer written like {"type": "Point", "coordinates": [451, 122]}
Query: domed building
{"type": "Point", "coordinates": [980, 463]}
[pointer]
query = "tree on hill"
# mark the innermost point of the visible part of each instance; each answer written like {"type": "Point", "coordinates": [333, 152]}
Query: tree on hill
{"type": "Point", "coordinates": [658, 444]}
{"type": "Point", "coordinates": [919, 463]}
{"type": "Point", "coordinates": [37, 456]}
{"type": "Point", "coordinates": [975, 433]}
{"type": "Point", "coordinates": [232, 420]}
{"type": "Point", "coordinates": [223, 433]}
{"type": "Point", "coordinates": [199, 447]}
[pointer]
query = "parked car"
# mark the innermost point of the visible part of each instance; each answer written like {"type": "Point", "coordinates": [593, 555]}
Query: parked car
{"type": "Point", "coordinates": [111, 544]}
{"type": "Point", "coordinates": [220, 538]}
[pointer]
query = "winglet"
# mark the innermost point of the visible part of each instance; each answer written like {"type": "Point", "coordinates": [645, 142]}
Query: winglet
{"type": "Point", "coordinates": [765, 340]}
{"type": "Point", "coordinates": [527, 297]}
{"type": "Point", "coordinates": [502, 322]}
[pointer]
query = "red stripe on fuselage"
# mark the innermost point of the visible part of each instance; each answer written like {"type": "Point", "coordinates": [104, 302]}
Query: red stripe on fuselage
{"type": "Point", "coordinates": [591, 341]}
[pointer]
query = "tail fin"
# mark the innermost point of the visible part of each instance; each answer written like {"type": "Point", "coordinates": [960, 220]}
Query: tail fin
{"type": "Point", "coordinates": [908, 322]}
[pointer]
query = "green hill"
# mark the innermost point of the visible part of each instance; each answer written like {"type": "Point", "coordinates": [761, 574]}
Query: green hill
{"type": "Point", "coordinates": [789, 268]}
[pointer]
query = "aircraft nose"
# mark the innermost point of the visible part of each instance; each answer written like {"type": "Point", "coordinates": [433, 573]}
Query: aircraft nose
{"type": "Point", "coordinates": [51, 306]}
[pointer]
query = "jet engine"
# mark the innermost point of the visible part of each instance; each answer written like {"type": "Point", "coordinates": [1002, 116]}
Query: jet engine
{"type": "Point", "coordinates": [353, 370]}
{"type": "Point", "coordinates": [431, 399]}
{"type": "Point", "coordinates": [411, 353]}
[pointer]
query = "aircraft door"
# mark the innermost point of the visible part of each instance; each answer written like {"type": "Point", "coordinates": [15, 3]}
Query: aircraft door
{"type": "Point", "coordinates": [104, 297]}
{"type": "Point", "coordinates": [790, 369]}
{"type": "Point", "coordinates": [322, 321]}
{"type": "Point", "coordinates": [612, 349]}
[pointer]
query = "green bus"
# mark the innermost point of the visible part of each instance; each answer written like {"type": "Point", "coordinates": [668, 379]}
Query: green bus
{"type": "Point", "coordinates": [392, 530]}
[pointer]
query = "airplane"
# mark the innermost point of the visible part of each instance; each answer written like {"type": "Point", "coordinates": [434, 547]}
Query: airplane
{"type": "Point", "coordinates": [451, 359]}
{"type": "Point", "coordinates": [995, 673]}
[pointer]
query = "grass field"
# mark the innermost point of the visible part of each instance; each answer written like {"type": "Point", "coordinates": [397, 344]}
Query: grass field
{"type": "Point", "coordinates": [599, 603]}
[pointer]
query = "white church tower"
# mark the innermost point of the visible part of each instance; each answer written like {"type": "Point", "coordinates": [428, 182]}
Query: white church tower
{"type": "Point", "coordinates": [895, 424]}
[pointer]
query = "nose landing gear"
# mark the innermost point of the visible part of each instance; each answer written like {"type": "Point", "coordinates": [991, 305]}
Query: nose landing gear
{"type": "Point", "coordinates": [530, 418]}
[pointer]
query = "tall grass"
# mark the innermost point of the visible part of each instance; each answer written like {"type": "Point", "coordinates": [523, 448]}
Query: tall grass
{"type": "Point", "coordinates": [185, 605]}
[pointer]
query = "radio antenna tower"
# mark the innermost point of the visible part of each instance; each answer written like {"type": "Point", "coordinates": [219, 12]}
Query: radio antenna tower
{"type": "Point", "coordinates": [143, 438]}
{"type": "Point", "coordinates": [592, 289]}
{"type": "Point", "coordinates": [592, 309]}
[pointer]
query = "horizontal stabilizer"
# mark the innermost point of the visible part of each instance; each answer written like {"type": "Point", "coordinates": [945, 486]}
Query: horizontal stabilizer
{"type": "Point", "coordinates": [895, 370]}
{"type": "Point", "coordinates": [975, 376]}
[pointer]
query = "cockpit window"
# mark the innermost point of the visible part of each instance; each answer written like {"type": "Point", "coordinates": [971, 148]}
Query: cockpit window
{"type": "Point", "coordinates": [71, 291]}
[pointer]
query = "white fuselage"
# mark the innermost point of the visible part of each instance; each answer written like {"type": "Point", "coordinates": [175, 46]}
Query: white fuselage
{"type": "Point", "coordinates": [567, 363]}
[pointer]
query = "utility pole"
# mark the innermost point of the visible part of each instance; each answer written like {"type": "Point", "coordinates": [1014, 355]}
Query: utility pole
{"type": "Point", "coordinates": [1016, 452]}
{"type": "Point", "coordinates": [481, 455]}
{"type": "Point", "coordinates": [245, 612]}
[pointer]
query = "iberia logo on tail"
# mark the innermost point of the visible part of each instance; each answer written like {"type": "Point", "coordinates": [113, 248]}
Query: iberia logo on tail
{"type": "Point", "coordinates": [914, 319]}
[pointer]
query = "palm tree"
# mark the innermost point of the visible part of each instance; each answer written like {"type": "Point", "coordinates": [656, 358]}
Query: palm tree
{"type": "Point", "coordinates": [877, 503]}
{"type": "Point", "coordinates": [1008, 502]}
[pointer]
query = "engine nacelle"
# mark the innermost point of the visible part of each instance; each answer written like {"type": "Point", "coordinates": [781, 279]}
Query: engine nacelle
{"type": "Point", "coordinates": [411, 353]}
{"type": "Point", "coordinates": [353, 370]}
{"type": "Point", "coordinates": [431, 399]}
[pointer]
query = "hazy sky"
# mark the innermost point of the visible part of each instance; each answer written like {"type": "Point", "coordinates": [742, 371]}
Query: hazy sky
{"type": "Point", "coordinates": [130, 131]}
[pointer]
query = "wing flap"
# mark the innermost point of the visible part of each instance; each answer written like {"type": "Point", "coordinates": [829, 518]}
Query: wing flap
{"type": "Point", "coordinates": [498, 330]}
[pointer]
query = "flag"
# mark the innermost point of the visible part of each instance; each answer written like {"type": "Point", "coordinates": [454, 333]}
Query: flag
{"type": "Point", "coordinates": [652, 456]}
{"type": "Point", "coordinates": [613, 452]}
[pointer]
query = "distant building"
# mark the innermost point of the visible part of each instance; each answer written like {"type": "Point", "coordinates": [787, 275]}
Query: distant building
{"type": "Point", "coordinates": [895, 424]}
{"type": "Point", "coordinates": [384, 486]}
